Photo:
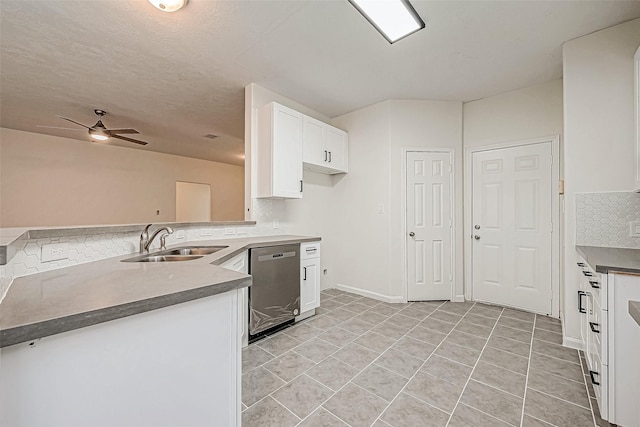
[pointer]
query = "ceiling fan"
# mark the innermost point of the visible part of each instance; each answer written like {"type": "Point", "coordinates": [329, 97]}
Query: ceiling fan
{"type": "Point", "coordinates": [99, 131]}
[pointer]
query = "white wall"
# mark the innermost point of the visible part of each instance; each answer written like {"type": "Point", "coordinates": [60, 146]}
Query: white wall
{"type": "Point", "coordinates": [48, 180]}
{"type": "Point", "coordinates": [372, 243]}
{"type": "Point", "coordinates": [522, 114]}
{"type": "Point", "coordinates": [598, 131]}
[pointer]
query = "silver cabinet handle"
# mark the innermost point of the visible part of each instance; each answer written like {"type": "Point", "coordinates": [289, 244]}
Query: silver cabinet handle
{"type": "Point", "coordinates": [301, 186]}
{"type": "Point", "coordinates": [412, 234]}
{"type": "Point", "coordinates": [329, 156]}
{"type": "Point", "coordinates": [305, 273]}
{"type": "Point", "coordinates": [325, 155]}
{"type": "Point", "coordinates": [476, 237]}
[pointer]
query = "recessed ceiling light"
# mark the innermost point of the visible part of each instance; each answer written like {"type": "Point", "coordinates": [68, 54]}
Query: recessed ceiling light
{"type": "Point", "coordinates": [394, 19]}
{"type": "Point", "coordinates": [168, 5]}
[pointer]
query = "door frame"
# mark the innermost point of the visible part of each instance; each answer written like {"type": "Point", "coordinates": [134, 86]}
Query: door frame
{"type": "Point", "coordinates": [403, 216]}
{"type": "Point", "coordinates": [555, 214]}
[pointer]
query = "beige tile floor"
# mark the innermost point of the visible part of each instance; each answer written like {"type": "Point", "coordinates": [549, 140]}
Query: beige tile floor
{"type": "Point", "coordinates": [360, 362]}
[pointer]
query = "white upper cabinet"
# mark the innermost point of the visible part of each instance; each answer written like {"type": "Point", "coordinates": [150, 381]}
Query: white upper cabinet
{"type": "Point", "coordinates": [325, 147]}
{"type": "Point", "coordinates": [637, 119]}
{"type": "Point", "coordinates": [279, 159]}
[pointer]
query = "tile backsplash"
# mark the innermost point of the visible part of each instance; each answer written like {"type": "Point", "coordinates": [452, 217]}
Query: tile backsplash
{"type": "Point", "coordinates": [602, 219]}
{"type": "Point", "coordinates": [104, 244]}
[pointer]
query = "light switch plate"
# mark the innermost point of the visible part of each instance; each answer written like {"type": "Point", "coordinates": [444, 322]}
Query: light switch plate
{"type": "Point", "coordinates": [634, 229]}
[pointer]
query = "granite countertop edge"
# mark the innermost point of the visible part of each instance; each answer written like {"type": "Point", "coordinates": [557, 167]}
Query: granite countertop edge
{"type": "Point", "coordinates": [627, 260]}
{"type": "Point", "coordinates": [634, 311]}
{"type": "Point", "coordinates": [63, 319]}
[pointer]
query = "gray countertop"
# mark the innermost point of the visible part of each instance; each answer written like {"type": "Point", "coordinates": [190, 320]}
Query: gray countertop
{"type": "Point", "coordinates": [70, 298]}
{"type": "Point", "coordinates": [604, 260]}
{"type": "Point", "coordinates": [634, 311]}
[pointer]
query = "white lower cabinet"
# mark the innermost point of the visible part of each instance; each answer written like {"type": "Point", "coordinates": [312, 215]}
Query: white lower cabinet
{"type": "Point", "coordinates": [611, 342]}
{"type": "Point", "coordinates": [309, 277]}
{"type": "Point", "coordinates": [240, 263]}
{"type": "Point", "coordinates": [174, 366]}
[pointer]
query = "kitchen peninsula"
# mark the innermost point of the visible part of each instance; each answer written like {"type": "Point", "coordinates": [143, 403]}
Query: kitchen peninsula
{"type": "Point", "coordinates": [125, 343]}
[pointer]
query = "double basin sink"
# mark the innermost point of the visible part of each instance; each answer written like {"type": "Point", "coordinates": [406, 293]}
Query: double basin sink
{"type": "Point", "coordinates": [184, 253]}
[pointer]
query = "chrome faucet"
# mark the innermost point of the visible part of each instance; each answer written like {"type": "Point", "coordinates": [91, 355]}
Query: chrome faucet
{"type": "Point", "coordinates": [146, 241]}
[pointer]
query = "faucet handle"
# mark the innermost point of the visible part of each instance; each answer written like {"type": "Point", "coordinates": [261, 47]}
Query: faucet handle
{"type": "Point", "coordinates": [163, 242]}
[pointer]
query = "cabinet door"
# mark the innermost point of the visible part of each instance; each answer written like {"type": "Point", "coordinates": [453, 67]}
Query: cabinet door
{"type": "Point", "coordinates": [313, 137]}
{"type": "Point", "coordinates": [287, 153]}
{"type": "Point", "coordinates": [336, 145]}
{"type": "Point", "coordinates": [309, 284]}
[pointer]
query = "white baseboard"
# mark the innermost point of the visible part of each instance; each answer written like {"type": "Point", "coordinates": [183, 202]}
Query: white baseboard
{"type": "Point", "coordinates": [574, 343]}
{"type": "Point", "coordinates": [458, 298]}
{"type": "Point", "coordinates": [370, 294]}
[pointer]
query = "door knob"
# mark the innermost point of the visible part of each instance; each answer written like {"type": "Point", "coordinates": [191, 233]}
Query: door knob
{"type": "Point", "coordinates": [476, 237]}
{"type": "Point", "coordinates": [412, 234]}
{"type": "Point", "coordinates": [477, 227]}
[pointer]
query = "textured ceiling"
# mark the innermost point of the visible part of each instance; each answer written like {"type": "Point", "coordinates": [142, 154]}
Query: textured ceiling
{"type": "Point", "coordinates": [178, 76]}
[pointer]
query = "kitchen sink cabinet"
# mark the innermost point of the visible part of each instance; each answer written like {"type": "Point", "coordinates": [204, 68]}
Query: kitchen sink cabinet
{"type": "Point", "coordinates": [178, 365]}
{"type": "Point", "coordinates": [279, 152]}
{"type": "Point", "coordinates": [325, 148]}
{"type": "Point", "coordinates": [240, 263]}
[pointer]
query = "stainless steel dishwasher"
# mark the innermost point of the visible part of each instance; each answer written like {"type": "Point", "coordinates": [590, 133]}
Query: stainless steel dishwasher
{"type": "Point", "coordinates": [274, 296]}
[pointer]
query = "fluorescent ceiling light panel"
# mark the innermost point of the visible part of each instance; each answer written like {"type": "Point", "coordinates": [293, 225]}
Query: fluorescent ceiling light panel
{"type": "Point", "coordinates": [395, 19]}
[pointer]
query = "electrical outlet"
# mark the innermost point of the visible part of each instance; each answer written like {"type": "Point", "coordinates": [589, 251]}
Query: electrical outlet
{"type": "Point", "coordinates": [205, 232]}
{"type": "Point", "coordinates": [181, 235]}
{"type": "Point", "coordinates": [325, 271]}
{"type": "Point", "coordinates": [229, 231]}
{"type": "Point", "coordinates": [55, 252]}
{"type": "Point", "coordinates": [276, 224]}
{"type": "Point", "coordinates": [634, 229]}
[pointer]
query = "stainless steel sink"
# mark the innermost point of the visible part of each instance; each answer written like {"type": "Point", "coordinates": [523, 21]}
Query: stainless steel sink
{"type": "Point", "coordinates": [166, 258]}
{"type": "Point", "coordinates": [193, 250]}
{"type": "Point", "coordinates": [185, 253]}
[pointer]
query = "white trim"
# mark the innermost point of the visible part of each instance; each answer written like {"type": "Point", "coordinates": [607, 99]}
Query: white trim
{"type": "Point", "coordinates": [574, 343]}
{"type": "Point", "coordinates": [555, 214]}
{"type": "Point", "coordinates": [370, 294]}
{"type": "Point", "coordinates": [403, 216]}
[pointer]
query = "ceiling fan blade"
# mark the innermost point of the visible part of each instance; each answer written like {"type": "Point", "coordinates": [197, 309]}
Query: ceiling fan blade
{"type": "Point", "coordinates": [58, 127]}
{"type": "Point", "coordinates": [117, 131]}
{"type": "Point", "coordinates": [73, 121]}
{"type": "Point", "coordinates": [124, 138]}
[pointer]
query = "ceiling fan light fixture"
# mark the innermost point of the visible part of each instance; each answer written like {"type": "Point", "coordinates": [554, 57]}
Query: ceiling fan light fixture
{"type": "Point", "coordinates": [169, 5]}
{"type": "Point", "coordinates": [98, 135]}
{"type": "Point", "coordinates": [394, 19]}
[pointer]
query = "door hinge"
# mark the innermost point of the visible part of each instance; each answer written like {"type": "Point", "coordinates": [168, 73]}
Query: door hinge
{"type": "Point", "coordinates": [450, 223]}
{"type": "Point", "coordinates": [450, 168]}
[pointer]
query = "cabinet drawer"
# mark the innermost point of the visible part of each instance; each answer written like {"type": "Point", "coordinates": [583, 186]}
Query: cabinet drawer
{"type": "Point", "coordinates": [596, 283]}
{"type": "Point", "coordinates": [310, 250]}
{"type": "Point", "coordinates": [599, 374]}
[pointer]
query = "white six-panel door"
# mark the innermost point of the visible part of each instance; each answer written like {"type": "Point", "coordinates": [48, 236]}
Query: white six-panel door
{"type": "Point", "coordinates": [429, 256]}
{"type": "Point", "coordinates": [512, 224]}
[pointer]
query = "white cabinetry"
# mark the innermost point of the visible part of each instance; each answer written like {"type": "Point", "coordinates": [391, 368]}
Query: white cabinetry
{"type": "Point", "coordinates": [240, 263]}
{"type": "Point", "coordinates": [325, 148]}
{"type": "Point", "coordinates": [611, 342]}
{"type": "Point", "coordinates": [309, 277]}
{"type": "Point", "coordinates": [279, 152]}
{"type": "Point", "coordinates": [178, 365]}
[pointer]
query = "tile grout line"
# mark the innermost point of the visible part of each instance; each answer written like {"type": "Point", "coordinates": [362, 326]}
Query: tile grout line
{"type": "Point", "coordinates": [584, 376]}
{"type": "Point", "coordinates": [466, 384]}
{"type": "Point", "coordinates": [526, 381]}
{"type": "Point", "coordinates": [424, 363]}
{"type": "Point", "coordinates": [359, 372]}
{"type": "Point", "coordinates": [561, 399]}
